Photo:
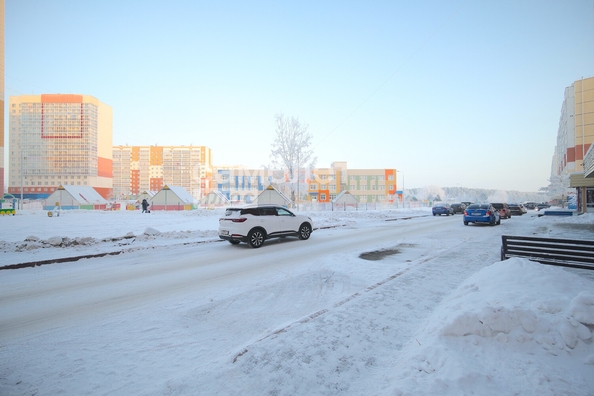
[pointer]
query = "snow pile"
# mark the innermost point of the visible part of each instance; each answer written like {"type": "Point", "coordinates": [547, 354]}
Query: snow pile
{"type": "Point", "coordinates": [499, 329]}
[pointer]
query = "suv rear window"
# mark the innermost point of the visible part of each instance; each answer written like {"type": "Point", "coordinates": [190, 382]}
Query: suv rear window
{"type": "Point", "coordinates": [230, 211]}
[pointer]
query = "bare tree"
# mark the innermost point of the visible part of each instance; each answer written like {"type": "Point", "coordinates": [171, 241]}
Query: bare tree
{"type": "Point", "coordinates": [291, 149]}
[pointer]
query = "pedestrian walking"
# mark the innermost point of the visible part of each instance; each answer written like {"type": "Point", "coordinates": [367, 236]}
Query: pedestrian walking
{"type": "Point", "coordinates": [145, 206]}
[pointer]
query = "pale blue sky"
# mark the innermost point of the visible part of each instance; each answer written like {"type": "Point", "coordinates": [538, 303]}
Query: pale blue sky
{"type": "Point", "coordinates": [452, 93]}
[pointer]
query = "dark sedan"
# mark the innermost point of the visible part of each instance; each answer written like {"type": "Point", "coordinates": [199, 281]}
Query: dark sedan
{"type": "Point", "coordinates": [458, 207]}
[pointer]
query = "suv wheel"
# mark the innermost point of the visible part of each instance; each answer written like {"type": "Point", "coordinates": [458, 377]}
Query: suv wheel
{"type": "Point", "coordinates": [304, 231]}
{"type": "Point", "coordinates": [256, 238]}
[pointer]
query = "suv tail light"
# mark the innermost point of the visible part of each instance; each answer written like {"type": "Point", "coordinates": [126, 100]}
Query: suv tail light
{"type": "Point", "coordinates": [488, 213]}
{"type": "Point", "coordinates": [465, 213]}
{"type": "Point", "coordinates": [240, 220]}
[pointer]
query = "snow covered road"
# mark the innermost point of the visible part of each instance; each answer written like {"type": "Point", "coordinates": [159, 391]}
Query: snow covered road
{"type": "Point", "coordinates": [310, 317]}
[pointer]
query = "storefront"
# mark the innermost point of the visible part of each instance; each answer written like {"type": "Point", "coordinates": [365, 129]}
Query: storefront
{"type": "Point", "coordinates": [585, 191]}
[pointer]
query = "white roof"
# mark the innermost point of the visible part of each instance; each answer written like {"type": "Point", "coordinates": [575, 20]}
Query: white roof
{"type": "Point", "coordinates": [83, 195]}
{"type": "Point", "coordinates": [215, 197]}
{"type": "Point", "coordinates": [271, 196]}
{"type": "Point", "coordinates": [346, 198]}
{"type": "Point", "coordinates": [180, 195]}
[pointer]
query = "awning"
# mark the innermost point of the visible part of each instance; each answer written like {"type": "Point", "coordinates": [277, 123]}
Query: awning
{"type": "Point", "coordinates": [577, 179]}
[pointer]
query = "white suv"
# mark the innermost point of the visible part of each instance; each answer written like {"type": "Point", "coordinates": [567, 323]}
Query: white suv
{"type": "Point", "coordinates": [254, 224]}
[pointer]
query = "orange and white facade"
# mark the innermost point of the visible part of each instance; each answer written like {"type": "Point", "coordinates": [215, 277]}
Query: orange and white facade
{"type": "Point", "coordinates": [1, 98]}
{"type": "Point", "coordinates": [576, 128]}
{"type": "Point", "coordinates": [367, 185]}
{"type": "Point", "coordinates": [149, 168]}
{"type": "Point", "coordinates": [59, 139]}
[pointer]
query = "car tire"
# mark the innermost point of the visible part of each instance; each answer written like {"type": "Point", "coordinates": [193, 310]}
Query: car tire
{"type": "Point", "coordinates": [256, 238]}
{"type": "Point", "coordinates": [304, 231]}
{"type": "Point", "coordinates": [234, 242]}
{"type": "Point", "coordinates": [465, 223]}
{"type": "Point", "coordinates": [498, 221]}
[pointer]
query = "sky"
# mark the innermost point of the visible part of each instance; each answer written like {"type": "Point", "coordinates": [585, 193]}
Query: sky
{"type": "Point", "coordinates": [479, 83]}
{"type": "Point", "coordinates": [179, 314]}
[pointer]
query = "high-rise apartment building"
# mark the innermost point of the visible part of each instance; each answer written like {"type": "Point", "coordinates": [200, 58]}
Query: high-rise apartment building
{"type": "Point", "coordinates": [576, 129]}
{"type": "Point", "coordinates": [1, 98]}
{"type": "Point", "coordinates": [59, 139]}
{"type": "Point", "coordinates": [148, 168]}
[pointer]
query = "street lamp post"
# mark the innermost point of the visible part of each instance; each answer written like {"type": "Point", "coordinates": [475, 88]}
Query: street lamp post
{"type": "Point", "coordinates": [402, 186]}
{"type": "Point", "coordinates": [21, 166]}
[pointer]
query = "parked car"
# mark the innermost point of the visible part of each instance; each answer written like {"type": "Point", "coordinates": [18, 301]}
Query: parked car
{"type": "Point", "coordinates": [467, 203]}
{"type": "Point", "coordinates": [516, 209]}
{"type": "Point", "coordinates": [504, 211]}
{"type": "Point", "coordinates": [458, 207]}
{"type": "Point", "coordinates": [439, 209]}
{"type": "Point", "coordinates": [481, 213]}
{"type": "Point", "coordinates": [255, 224]}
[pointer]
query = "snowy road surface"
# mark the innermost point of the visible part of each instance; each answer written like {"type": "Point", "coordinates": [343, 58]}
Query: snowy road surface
{"type": "Point", "coordinates": [215, 311]}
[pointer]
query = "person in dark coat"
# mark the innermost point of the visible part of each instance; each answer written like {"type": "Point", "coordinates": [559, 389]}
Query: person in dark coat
{"type": "Point", "coordinates": [145, 206]}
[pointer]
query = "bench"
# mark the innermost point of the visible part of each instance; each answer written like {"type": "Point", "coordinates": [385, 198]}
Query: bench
{"type": "Point", "coordinates": [561, 252]}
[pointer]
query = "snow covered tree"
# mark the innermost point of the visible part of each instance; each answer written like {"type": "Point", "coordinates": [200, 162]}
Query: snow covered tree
{"type": "Point", "coordinates": [291, 149]}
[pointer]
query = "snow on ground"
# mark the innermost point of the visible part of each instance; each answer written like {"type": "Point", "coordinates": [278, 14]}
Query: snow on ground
{"type": "Point", "coordinates": [512, 327]}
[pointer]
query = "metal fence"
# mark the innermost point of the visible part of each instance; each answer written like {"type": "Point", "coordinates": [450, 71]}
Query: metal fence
{"type": "Point", "coordinates": [334, 207]}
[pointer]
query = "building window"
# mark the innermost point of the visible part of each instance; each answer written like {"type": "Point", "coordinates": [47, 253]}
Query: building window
{"type": "Point", "coordinates": [332, 187]}
{"type": "Point", "coordinates": [363, 177]}
{"type": "Point", "coordinates": [322, 197]}
{"type": "Point", "coordinates": [323, 177]}
{"type": "Point", "coordinates": [312, 186]}
{"type": "Point", "coordinates": [353, 187]}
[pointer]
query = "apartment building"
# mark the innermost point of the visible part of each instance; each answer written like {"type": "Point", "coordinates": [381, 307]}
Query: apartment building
{"type": "Point", "coordinates": [367, 185]}
{"type": "Point", "coordinates": [576, 129]}
{"type": "Point", "coordinates": [1, 98]}
{"type": "Point", "coordinates": [59, 139]}
{"type": "Point", "coordinates": [148, 168]}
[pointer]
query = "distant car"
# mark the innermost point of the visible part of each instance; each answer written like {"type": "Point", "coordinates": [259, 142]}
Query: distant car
{"type": "Point", "coordinates": [530, 205]}
{"type": "Point", "coordinates": [481, 213]}
{"type": "Point", "coordinates": [542, 206]}
{"type": "Point", "coordinates": [458, 207]}
{"type": "Point", "coordinates": [467, 203]}
{"type": "Point", "coordinates": [255, 224]}
{"type": "Point", "coordinates": [439, 209]}
{"type": "Point", "coordinates": [516, 209]}
{"type": "Point", "coordinates": [503, 209]}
